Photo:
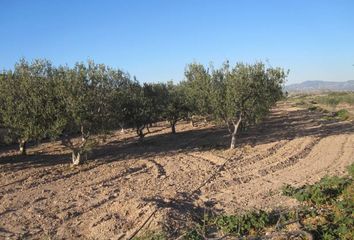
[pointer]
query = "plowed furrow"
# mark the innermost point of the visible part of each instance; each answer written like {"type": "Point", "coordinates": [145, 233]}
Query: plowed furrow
{"type": "Point", "coordinates": [291, 160]}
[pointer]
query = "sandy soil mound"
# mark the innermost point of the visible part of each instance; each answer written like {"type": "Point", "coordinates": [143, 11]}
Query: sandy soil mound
{"type": "Point", "coordinates": [167, 179]}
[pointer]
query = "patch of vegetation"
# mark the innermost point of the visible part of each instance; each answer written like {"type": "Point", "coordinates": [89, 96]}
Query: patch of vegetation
{"type": "Point", "coordinates": [326, 212]}
{"type": "Point", "coordinates": [334, 98]}
{"type": "Point", "coordinates": [312, 108]}
{"type": "Point", "coordinates": [329, 205]}
{"type": "Point", "coordinates": [324, 192]}
{"type": "Point", "coordinates": [40, 101]}
{"type": "Point", "coordinates": [248, 224]}
{"type": "Point", "coordinates": [193, 235]}
{"type": "Point", "coordinates": [151, 235]}
{"type": "Point", "coordinates": [324, 110]}
{"type": "Point", "coordinates": [302, 102]}
{"type": "Point", "coordinates": [331, 100]}
{"type": "Point", "coordinates": [342, 114]}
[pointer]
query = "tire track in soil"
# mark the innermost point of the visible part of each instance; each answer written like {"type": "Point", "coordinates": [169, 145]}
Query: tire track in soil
{"type": "Point", "coordinates": [288, 161]}
{"type": "Point", "coordinates": [234, 167]}
{"type": "Point", "coordinates": [248, 162]}
{"type": "Point", "coordinates": [334, 163]}
{"type": "Point", "coordinates": [309, 164]}
{"type": "Point", "coordinates": [305, 153]}
{"type": "Point", "coordinates": [292, 160]}
{"type": "Point", "coordinates": [270, 183]}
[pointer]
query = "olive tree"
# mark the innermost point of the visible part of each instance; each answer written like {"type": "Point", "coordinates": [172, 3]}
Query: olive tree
{"type": "Point", "coordinates": [177, 106]}
{"type": "Point", "coordinates": [120, 103]}
{"type": "Point", "coordinates": [245, 94]}
{"type": "Point", "coordinates": [87, 90]}
{"type": "Point", "coordinates": [155, 97]}
{"type": "Point", "coordinates": [138, 110]}
{"type": "Point", "coordinates": [241, 95]}
{"type": "Point", "coordinates": [30, 102]}
{"type": "Point", "coordinates": [133, 107]}
{"type": "Point", "coordinates": [198, 87]}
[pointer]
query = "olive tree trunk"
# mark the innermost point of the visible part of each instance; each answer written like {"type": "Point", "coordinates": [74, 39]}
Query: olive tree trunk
{"type": "Point", "coordinates": [173, 126]}
{"type": "Point", "coordinates": [76, 157]}
{"type": "Point", "coordinates": [23, 147]}
{"type": "Point", "coordinates": [234, 133]}
{"type": "Point", "coordinates": [77, 149]}
{"type": "Point", "coordinates": [192, 123]}
{"type": "Point", "coordinates": [140, 132]}
{"type": "Point", "coordinates": [79, 153]}
{"type": "Point", "coordinates": [191, 119]}
{"type": "Point", "coordinates": [121, 127]}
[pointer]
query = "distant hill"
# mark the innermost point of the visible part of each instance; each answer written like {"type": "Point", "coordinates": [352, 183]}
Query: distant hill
{"type": "Point", "coordinates": [320, 86]}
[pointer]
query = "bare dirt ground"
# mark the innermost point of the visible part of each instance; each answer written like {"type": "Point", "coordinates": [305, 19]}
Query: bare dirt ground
{"type": "Point", "coordinates": [167, 179]}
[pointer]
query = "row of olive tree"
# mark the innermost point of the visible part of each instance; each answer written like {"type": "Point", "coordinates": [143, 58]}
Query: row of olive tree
{"type": "Point", "coordinates": [39, 101]}
{"type": "Point", "coordinates": [238, 96]}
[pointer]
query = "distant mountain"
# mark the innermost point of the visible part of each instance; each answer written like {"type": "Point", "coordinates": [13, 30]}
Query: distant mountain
{"type": "Point", "coordinates": [320, 86]}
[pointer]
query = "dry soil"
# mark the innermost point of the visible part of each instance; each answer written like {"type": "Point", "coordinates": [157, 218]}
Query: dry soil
{"type": "Point", "coordinates": [167, 180]}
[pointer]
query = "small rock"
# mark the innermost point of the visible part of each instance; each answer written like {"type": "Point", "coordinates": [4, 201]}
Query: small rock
{"type": "Point", "coordinates": [45, 191]}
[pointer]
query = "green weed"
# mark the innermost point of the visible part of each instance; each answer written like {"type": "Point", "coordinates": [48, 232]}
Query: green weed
{"type": "Point", "coordinates": [151, 235]}
{"type": "Point", "coordinates": [312, 108]}
{"type": "Point", "coordinates": [332, 206]}
{"type": "Point", "coordinates": [342, 114]}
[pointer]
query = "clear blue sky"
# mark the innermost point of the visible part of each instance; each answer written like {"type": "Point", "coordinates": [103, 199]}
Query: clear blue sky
{"type": "Point", "coordinates": [154, 40]}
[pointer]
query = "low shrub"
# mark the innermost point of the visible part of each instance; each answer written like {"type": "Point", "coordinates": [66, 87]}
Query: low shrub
{"type": "Point", "coordinates": [312, 108]}
{"type": "Point", "coordinates": [342, 114]}
{"type": "Point", "coordinates": [325, 191]}
{"type": "Point", "coordinates": [330, 206]}
{"type": "Point", "coordinates": [151, 235]}
{"type": "Point", "coordinates": [249, 223]}
{"type": "Point", "coordinates": [334, 98]}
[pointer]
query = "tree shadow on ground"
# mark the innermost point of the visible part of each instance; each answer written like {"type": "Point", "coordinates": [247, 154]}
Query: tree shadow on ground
{"type": "Point", "coordinates": [182, 212]}
{"type": "Point", "coordinates": [300, 123]}
{"type": "Point", "coordinates": [18, 162]}
{"type": "Point", "coordinates": [278, 126]}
